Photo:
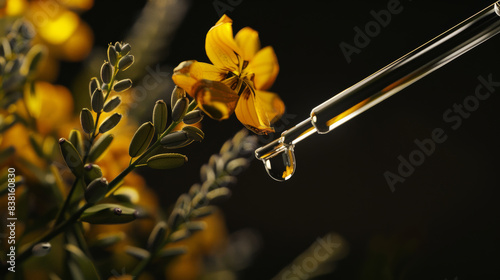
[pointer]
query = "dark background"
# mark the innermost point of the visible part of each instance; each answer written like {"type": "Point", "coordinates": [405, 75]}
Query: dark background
{"type": "Point", "coordinates": [441, 223]}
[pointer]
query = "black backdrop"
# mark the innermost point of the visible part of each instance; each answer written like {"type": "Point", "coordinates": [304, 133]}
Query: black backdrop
{"type": "Point", "coordinates": [447, 210]}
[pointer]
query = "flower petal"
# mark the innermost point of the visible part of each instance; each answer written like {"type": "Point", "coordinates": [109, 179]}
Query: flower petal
{"type": "Point", "coordinates": [265, 67]}
{"type": "Point", "coordinates": [271, 104]}
{"type": "Point", "coordinates": [220, 45]}
{"type": "Point", "coordinates": [248, 41]}
{"type": "Point", "coordinates": [250, 113]}
{"type": "Point", "coordinates": [214, 98]}
{"type": "Point", "coordinates": [188, 73]}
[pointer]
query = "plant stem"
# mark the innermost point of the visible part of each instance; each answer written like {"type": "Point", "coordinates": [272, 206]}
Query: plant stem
{"type": "Point", "coordinates": [62, 211]}
{"type": "Point", "coordinates": [53, 233]}
{"type": "Point", "coordinates": [114, 184]}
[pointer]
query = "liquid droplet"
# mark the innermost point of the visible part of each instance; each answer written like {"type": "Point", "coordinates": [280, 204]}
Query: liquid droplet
{"type": "Point", "coordinates": [281, 165]}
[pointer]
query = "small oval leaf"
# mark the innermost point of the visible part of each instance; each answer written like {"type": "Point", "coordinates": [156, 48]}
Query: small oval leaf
{"type": "Point", "coordinates": [87, 120]}
{"type": "Point", "coordinates": [112, 104]}
{"type": "Point", "coordinates": [109, 214]}
{"type": "Point", "coordinates": [125, 62]}
{"type": "Point", "coordinates": [166, 161]}
{"type": "Point", "coordinates": [141, 139]}
{"type": "Point", "coordinates": [71, 157]}
{"type": "Point", "coordinates": [100, 147]}
{"type": "Point", "coordinates": [160, 116]}
{"type": "Point", "coordinates": [122, 85]}
{"type": "Point", "coordinates": [110, 122]}
{"type": "Point", "coordinates": [97, 101]}
{"type": "Point", "coordinates": [106, 72]}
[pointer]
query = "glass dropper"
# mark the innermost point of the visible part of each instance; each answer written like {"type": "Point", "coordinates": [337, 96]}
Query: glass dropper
{"type": "Point", "coordinates": [278, 156]}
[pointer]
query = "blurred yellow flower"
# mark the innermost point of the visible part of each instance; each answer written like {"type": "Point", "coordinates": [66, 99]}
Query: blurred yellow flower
{"type": "Point", "coordinates": [237, 80]}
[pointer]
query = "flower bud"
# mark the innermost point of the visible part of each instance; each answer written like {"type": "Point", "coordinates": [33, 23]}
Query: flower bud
{"type": "Point", "coordinates": [91, 172]}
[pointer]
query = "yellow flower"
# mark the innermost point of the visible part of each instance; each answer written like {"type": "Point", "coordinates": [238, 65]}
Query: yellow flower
{"type": "Point", "coordinates": [237, 80]}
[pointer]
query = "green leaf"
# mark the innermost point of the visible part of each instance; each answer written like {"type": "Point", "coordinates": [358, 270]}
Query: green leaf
{"type": "Point", "coordinates": [202, 211]}
{"type": "Point", "coordinates": [100, 147]}
{"type": "Point", "coordinates": [125, 49]}
{"type": "Point", "coordinates": [193, 117]}
{"type": "Point", "coordinates": [96, 190]}
{"type": "Point", "coordinates": [160, 116]}
{"type": "Point", "coordinates": [107, 240]}
{"type": "Point", "coordinates": [177, 94]}
{"type": "Point", "coordinates": [195, 226]}
{"type": "Point", "coordinates": [218, 194]}
{"type": "Point", "coordinates": [180, 109]}
{"type": "Point", "coordinates": [174, 140]}
{"type": "Point", "coordinates": [166, 161]}
{"type": "Point", "coordinates": [80, 266]}
{"type": "Point", "coordinates": [141, 139]}
{"type": "Point", "coordinates": [125, 62]}
{"type": "Point", "coordinates": [75, 137]}
{"type": "Point", "coordinates": [112, 104]}
{"type": "Point", "coordinates": [137, 253]}
{"type": "Point", "coordinates": [157, 236]}
{"type": "Point", "coordinates": [106, 72]}
{"type": "Point", "coordinates": [109, 214]}
{"type": "Point", "coordinates": [179, 235]}
{"type": "Point", "coordinates": [194, 133]}
{"type": "Point", "coordinates": [112, 55]}
{"type": "Point", "coordinates": [172, 252]}
{"type": "Point", "coordinates": [93, 86]}
{"type": "Point", "coordinates": [122, 85]}
{"type": "Point", "coordinates": [97, 101]}
{"type": "Point", "coordinates": [110, 122]}
{"type": "Point", "coordinates": [71, 157]}
{"type": "Point", "coordinates": [32, 60]}
{"type": "Point", "coordinates": [87, 120]}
